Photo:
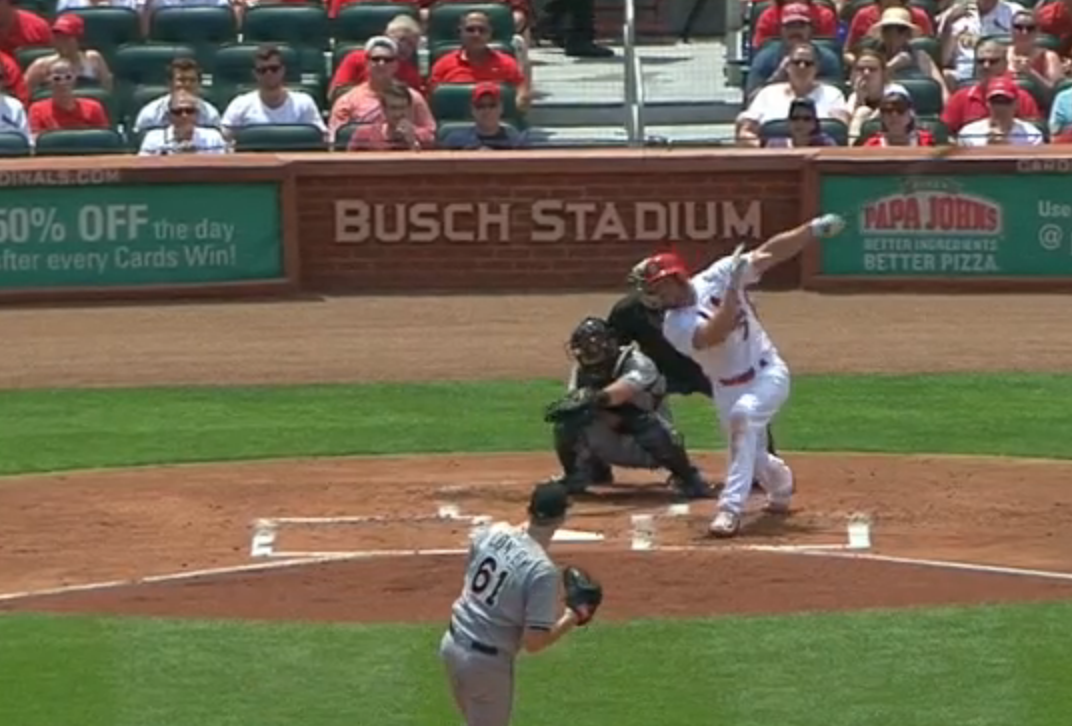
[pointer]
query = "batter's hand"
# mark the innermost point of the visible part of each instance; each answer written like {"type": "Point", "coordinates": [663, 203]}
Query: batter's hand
{"type": "Point", "coordinates": [828, 225]}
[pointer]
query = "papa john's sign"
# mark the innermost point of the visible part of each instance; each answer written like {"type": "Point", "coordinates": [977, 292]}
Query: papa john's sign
{"type": "Point", "coordinates": [545, 221]}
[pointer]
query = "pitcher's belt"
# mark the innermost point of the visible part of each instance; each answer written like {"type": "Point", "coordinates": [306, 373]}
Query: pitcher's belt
{"type": "Point", "coordinates": [745, 377]}
{"type": "Point", "coordinates": [472, 644]}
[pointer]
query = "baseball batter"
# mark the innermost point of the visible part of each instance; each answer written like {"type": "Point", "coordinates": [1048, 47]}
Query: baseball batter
{"type": "Point", "coordinates": [711, 320]}
{"type": "Point", "coordinates": [509, 602]}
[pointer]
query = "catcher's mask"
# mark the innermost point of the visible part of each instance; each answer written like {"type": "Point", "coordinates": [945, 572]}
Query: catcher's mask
{"type": "Point", "coordinates": [593, 343]}
{"type": "Point", "coordinates": [664, 279]}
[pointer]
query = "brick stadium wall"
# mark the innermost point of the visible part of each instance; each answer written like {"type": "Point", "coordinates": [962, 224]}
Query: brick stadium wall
{"type": "Point", "coordinates": [527, 207]}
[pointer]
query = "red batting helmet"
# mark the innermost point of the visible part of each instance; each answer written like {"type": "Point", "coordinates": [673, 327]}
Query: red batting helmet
{"type": "Point", "coordinates": [663, 265]}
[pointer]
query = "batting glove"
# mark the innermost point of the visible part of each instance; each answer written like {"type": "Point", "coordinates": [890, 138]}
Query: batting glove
{"type": "Point", "coordinates": [828, 225]}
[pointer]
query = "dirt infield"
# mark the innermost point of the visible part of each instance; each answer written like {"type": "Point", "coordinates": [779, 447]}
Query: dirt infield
{"type": "Point", "coordinates": [71, 529]}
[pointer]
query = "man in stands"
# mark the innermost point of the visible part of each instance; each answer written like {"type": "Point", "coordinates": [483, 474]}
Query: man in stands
{"type": "Point", "coordinates": [488, 132]}
{"type": "Point", "coordinates": [20, 28]}
{"type": "Point", "coordinates": [960, 28]}
{"type": "Point", "coordinates": [271, 103]}
{"type": "Point", "coordinates": [12, 112]}
{"type": "Point", "coordinates": [362, 104]}
{"type": "Point", "coordinates": [1055, 19]}
{"type": "Point", "coordinates": [771, 64]}
{"type": "Point", "coordinates": [771, 20]}
{"type": "Point", "coordinates": [406, 33]}
{"type": "Point", "coordinates": [64, 110]}
{"type": "Point", "coordinates": [970, 104]}
{"type": "Point", "coordinates": [476, 61]}
{"type": "Point", "coordinates": [1001, 125]}
{"type": "Point", "coordinates": [183, 135]}
{"type": "Point", "coordinates": [186, 78]}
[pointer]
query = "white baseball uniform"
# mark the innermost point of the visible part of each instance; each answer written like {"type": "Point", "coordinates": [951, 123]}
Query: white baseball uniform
{"type": "Point", "coordinates": [749, 378]}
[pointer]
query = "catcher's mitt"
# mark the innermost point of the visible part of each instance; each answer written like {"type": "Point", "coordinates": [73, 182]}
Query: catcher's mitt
{"type": "Point", "coordinates": [577, 407]}
{"type": "Point", "coordinates": [583, 593]}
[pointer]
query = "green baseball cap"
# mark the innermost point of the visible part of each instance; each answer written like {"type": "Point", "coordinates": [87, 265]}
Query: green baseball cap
{"type": "Point", "coordinates": [550, 500]}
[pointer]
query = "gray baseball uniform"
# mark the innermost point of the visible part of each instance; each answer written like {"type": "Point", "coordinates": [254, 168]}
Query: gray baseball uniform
{"type": "Point", "coordinates": [510, 584]}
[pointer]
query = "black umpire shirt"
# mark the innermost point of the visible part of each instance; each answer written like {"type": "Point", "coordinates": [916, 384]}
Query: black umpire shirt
{"type": "Point", "coordinates": [634, 322]}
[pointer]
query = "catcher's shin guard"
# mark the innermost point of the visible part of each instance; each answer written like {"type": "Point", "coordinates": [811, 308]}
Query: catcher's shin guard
{"type": "Point", "coordinates": [568, 444]}
{"type": "Point", "coordinates": [666, 448]}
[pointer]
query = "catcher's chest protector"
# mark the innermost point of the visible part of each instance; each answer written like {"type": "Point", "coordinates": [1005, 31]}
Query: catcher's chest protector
{"type": "Point", "coordinates": [602, 376]}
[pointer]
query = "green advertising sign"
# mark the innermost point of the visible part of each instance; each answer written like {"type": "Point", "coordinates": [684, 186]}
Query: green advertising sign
{"type": "Point", "coordinates": [126, 235]}
{"type": "Point", "coordinates": [949, 226]}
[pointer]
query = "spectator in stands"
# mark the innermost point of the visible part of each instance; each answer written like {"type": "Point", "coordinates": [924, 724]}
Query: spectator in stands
{"type": "Point", "coordinates": [20, 28]}
{"type": "Point", "coordinates": [12, 81]}
{"type": "Point", "coordinates": [1061, 117]}
{"type": "Point", "coordinates": [271, 103]}
{"type": "Point", "coordinates": [183, 135]}
{"type": "Point", "coordinates": [868, 16]}
{"type": "Point", "coordinates": [895, 31]}
{"type": "Point", "coordinates": [488, 131]}
{"type": "Point", "coordinates": [962, 26]}
{"type": "Point", "coordinates": [151, 6]}
{"type": "Point", "coordinates": [773, 101]}
{"type": "Point", "coordinates": [361, 104]}
{"type": "Point", "coordinates": [396, 131]}
{"type": "Point", "coordinates": [771, 63]}
{"type": "Point", "coordinates": [577, 35]}
{"type": "Point", "coordinates": [970, 104]}
{"type": "Point", "coordinates": [64, 5]}
{"type": "Point", "coordinates": [804, 128]}
{"type": "Point", "coordinates": [185, 77]}
{"type": "Point", "coordinates": [1001, 125]}
{"type": "Point", "coordinates": [1055, 19]}
{"type": "Point", "coordinates": [12, 111]}
{"type": "Point", "coordinates": [898, 119]}
{"type": "Point", "coordinates": [1027, 57]}
{"type": "Point", "coordinates": [770, 22]}
{"type": "Point", "coordinates": [406, 33]}
{"type": "Point", "coordinates": [64, 110]}
{"type": "Point", "coordinates": [868, 81]}
{"type": "Point", "coordinates": [476, 61]}
{"type": "Point", "coordinates": [89, 65]}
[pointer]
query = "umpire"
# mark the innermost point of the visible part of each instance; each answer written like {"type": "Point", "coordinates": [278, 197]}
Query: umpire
{"type": "Point", "coordinates": [637, 318]}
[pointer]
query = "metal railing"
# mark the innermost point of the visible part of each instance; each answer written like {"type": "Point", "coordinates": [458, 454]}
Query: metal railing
{"type": "Point", "coordinates": [634, 80]}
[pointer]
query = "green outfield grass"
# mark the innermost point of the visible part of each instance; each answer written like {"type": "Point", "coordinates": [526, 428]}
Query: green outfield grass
{"type": "Point", "coordinates": [1022, 415]}
{"type": "Point", "coordinates": [985, 666]}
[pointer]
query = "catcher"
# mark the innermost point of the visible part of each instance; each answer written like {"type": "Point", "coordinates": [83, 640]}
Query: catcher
{"type": "Point", "coordinates": [509, 602]}
{"type": "Point", "coordinates": [614, 413]}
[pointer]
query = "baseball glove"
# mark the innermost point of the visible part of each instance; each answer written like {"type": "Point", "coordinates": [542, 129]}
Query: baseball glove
{"type": "Point", "coordinates": [583, 594]}
{"type": "Point", "coordinates": [576, 407]}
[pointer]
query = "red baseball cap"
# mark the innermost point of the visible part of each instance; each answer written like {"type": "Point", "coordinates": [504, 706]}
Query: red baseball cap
{"type": "Point", "coordinates": [663, 265]}
{"type": "Point", "coordinates": [486, 88]}
{"type": "Point", "coordinates": [796, 13]}
{"type": "Point", "coordinates": [69, 24]}
{"type": "Point", "coordinates": [1002, 86]}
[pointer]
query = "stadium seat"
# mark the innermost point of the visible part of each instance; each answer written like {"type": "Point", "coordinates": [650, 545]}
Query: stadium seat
{"type": "Point", "coordinates": [26, 55]}
{"type": "Point", "coordinates": [233, 63]}
{"type": "Point", "coordinates": [79, 142]}
{"type": "Point", "coordinates": [1038, 92]}
{"type": "Point", "coordinates": [13, 143]}
{"type": "Point", "coordinates": [358, 22]}
{"type": "Point", "coordinates": [135, 98]}
{"type": "Point", "coordinates": [95, 92]}
{"type": "Point", "coordinates": [203, 27]}
{"type": "Point", "coordinates": [930, 46]}
{"type": "Point", "coordinates": [833, 128]}
{"type": "Point", "coordinates": [108, 28]}
{"type": "Point", "coordinates": [926, 94]}
{"type": "Point", "coordinates": [148, 63]}
{"type": "Point", "coordinates": [279, 137]}
{"type": "Point", "coordinates": [303, 27]}
{"type": "Point", "coordinates": [934, 125]}
{"type": "Point", "coordinates": [44, 8]}
{"type": "Point", "coordinates": [453, 102]}
{"type": "Point", "coordinates": [343, 135]}
{"type": "Point", "coordinates": [1049, 42]}
{"type": "Point", "coordinates": [445, 18]}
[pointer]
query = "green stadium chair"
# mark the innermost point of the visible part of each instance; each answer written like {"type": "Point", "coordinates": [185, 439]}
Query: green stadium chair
{"type": "Point", "coordinates": [204, 28]}
{"type": "Point", "coordinates": [45, 8]}
{"type": "Point", "coordinates": [358, 22]}
{"type": "Point", "coordinates": [930, 46]}
{"type": "Point", "coordinates": [233, 63]}
{"type": "Point", "coordinates": [79, 142]}
{"type": "Point", "coordinates": [306, 28]}
{"type": "Point", "coordinates": [454, 101]}
{"type": "Point", "coordinates": [1049, 42]}
{"type": "Point", "coordinates": [833, 128]}
{"type": "Point", "coordinates": [444, 20]}
{"type": "Point", "coordinates": [95, 92]}
{"type": "Point", "coordinates": [148, 63]}
{"type": "Point", "coordinates": [108, 28]}
{"type": "Point", "coordinates": [135, 99]}
{"type": "Point", "coordinates": [27, 55]}
{"type": "Point", "coordinates": [926, 94]}
{"type": "Point", "coordinates": [1038, 92]}
{"type": "Point", "coordinates": [13, 144]}
{"type": "Point", "coordinates": [343, 135]}
{"type": "Point", "coordinates": [279, 137]}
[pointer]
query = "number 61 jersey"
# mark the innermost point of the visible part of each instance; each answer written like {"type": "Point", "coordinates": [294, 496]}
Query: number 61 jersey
{"type": "Point", "coordinates": [510, 584]}
{"type": "Point", "coordinates": [745, 345]}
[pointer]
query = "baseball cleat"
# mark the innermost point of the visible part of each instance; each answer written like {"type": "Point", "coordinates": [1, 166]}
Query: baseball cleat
{"type": "Point", "coordinates": [726, 524]}
{"type": "Point", "coordinates": [828, 225]}
{"type": "Point", "coordinates": [781, 491]}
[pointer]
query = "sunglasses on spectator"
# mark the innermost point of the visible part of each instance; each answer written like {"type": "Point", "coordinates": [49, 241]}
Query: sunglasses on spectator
{"type": "Point", "coordinates": [476, 29]}
{"type": "Point", "coordinates": [59, 77]}
{"type": "Point", "coordinates": [895, 110]}
{"type": "Point", "coordinates": [1001, 100]}
{"type": "Point", "coordinates": [987, 62]}
{"type": "Point", "coordinates": [262, 70]}
{"type": "Point", "coordinates": [381, 59]}
{"type": "Point", "coordinates": [1024, 27]}
{"type": "Point", "coordinates": [483, 105]}
{"type": "Point", "coordinates": [803, 63]}
{"type": "Point", "coordinates": [801, 118]}
{"type": "Point", "coordinates": [183, 111]}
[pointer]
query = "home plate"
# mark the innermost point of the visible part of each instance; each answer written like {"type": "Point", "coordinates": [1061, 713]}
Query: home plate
{"type": "Point", "coordinates": [574, 535]}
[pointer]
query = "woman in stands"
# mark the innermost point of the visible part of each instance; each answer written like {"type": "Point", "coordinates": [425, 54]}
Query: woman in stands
{"type": "Point", "coordinates": [895, 32]}
{"type": "Point", "coordinates": [773, 101]}
{"type": "Point", "coordinates": [804, 128]}
{"type": "Point", "coordinates": [868, 81]}
{"type": "Point", "coordinates": [89, 66]}
{"type": "Point", "coordinates": [867, 16]}
{"type": "Point", "coordinates": [1026, 58]}
{"type": "Point", "coordinates": [899, 121]}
